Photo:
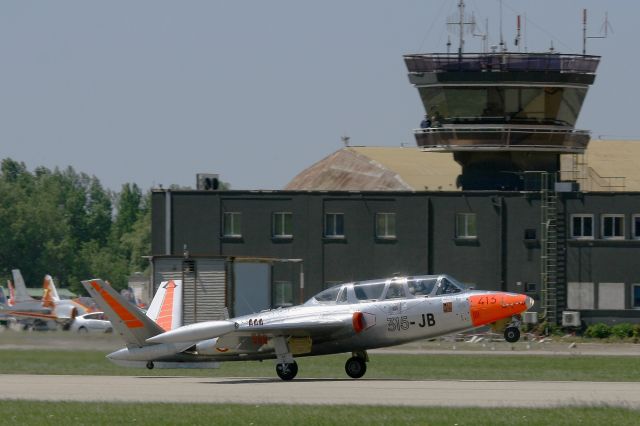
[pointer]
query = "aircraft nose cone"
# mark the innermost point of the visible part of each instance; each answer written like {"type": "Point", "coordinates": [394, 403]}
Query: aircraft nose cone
{"type": "Point", "coordinates": [529, 302]}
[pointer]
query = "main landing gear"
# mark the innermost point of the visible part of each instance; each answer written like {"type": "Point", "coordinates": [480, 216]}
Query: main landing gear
{"type": "Point", "coordinates": [150, 365]}
{"type": "Point", "coordinates": [356, 366]}
{"type": "Point", "coordinates": [287, 370]}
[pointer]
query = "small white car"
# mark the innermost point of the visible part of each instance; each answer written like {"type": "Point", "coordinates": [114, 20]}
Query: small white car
{"type": "Point", "coordinates": [91, 322]}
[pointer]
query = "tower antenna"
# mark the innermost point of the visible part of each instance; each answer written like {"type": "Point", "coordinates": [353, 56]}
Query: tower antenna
{"type": "Point", "coordinates": [461, 22]}
{"type": "Point", "coordinates": [606, 25]}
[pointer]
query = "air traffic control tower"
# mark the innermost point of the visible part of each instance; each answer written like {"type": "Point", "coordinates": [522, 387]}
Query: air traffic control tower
{"type": "Point", "coordinates": [502, 114]}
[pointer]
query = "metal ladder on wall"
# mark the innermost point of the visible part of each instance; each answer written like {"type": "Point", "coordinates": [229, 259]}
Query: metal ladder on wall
{"type": "Point", "coordinates": [549, 267]}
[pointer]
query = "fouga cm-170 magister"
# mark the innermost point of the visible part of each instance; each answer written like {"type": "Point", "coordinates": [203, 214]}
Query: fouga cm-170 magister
{"type": "Point", "coordinates": [351, 317]}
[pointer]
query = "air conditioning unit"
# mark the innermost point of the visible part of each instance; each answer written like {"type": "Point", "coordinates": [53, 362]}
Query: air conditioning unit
{"type": "Point", "coordinates": [530, 318]}
{"type": "Point", "coordinates": [207, 182]}
{"type": "Point", "coordinates": [570, 319]}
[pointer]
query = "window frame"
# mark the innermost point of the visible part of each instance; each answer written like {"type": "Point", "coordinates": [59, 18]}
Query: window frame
{"type": "Point", "coordinates": [635, 227]}
{"type": "Point", "coordinates": [573, 230]}
{"type": "Point", "coordinates": [387, 235]}
{"type": "Point", "coordinates": [467, 235]}
{"type": "Point", "coordinates": [232, 215]}
{"type": "Point", "coordinates": [282, 223]}
{"type": "Point", "coordinates": [333, 235]}
{"type": "Point", "coordinates": [284, 303]}
{"type": "Point", "coordinates": [632, 300]}
{"type": "Point", "coordinates": [603, 217]}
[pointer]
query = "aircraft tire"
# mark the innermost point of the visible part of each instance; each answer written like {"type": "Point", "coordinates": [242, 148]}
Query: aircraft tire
{"type": "Point", "coordinates": [150, 365]}
{"type": "Point", "coordinates": [512, 334]}
{"type": "Point", "coordinates": [287, 371]}
{"type": "Point", "coordinates": [355, 367]}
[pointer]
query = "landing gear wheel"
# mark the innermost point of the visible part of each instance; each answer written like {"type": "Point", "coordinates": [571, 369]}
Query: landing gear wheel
{"type": "Point", "coordinates": [355, 367]}
{"type": "Point", "coordinates": [512, 334]}
{"type": "Point", "coordinates": [287, 371]}
{"type": "Point", "coordinates": [150, 365]}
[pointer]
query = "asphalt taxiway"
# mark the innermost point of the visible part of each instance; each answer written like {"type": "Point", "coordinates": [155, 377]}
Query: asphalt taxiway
{"type": "Point", "coordinates": [319, 391]}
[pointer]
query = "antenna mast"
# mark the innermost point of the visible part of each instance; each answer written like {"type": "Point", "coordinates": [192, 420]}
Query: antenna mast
{"type": "Point", "coordinates": [461, 22]}
{"type": "Point", "coordinates": [606, 25]}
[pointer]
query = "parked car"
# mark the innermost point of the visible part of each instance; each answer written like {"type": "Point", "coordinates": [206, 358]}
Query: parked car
{"type": "Point", "coordinates": [91, 322]}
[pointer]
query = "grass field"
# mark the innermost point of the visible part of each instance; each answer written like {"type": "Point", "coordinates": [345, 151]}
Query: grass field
{"type": "Point", "coordinates": [56, 413]}
{"type": "Point", "coordinates": [382, 366]}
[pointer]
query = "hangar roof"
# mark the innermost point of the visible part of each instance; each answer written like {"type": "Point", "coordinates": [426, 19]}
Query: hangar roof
{"type": "Point", "coordinates": [608, 165]}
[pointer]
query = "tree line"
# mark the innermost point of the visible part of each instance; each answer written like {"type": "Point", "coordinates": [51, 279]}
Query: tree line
{"type": "Point", "coordinates": [66, 224]}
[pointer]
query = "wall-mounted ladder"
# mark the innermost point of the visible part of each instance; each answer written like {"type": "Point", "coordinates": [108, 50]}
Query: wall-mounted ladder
{"type": "Point", "coordinates": [551, 255]}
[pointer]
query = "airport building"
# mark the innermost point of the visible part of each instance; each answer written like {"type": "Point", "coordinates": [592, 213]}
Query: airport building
{"type": "Point", "coordinates": [501, 191]}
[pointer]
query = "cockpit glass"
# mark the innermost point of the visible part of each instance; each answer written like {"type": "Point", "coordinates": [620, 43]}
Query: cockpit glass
{"type": "Point", "coordinates": [395, 291]}
{"type": "Point", "coordinates": [448, 287]}
{"type": "Point", "coordinates": [369, 291]}
{"type": "Point", "coordinates": [329, 295]}
{"type": "Point", "coordinates": [421, 286]}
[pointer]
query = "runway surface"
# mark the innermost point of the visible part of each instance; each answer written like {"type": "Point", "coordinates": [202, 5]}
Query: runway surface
{"type": "Point", "coordinates": [319, 391]}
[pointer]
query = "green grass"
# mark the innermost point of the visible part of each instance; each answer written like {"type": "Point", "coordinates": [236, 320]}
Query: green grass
{"type": "Point", "coordinates": [54, 413]}
{"type": "Point", "coordinates": [382, 366]}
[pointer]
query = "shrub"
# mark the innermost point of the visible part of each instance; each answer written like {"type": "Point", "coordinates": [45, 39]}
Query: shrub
{"type": "Point", "coordinates": [622, 330]}
{"type": "Point", "coordinates": [600, 331]}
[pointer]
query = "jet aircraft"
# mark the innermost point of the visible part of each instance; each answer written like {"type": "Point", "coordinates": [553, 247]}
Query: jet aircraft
{"type": "Point", "coordinates": [352, 317]}
{"type": "Point", "coordinates": [49, 308]}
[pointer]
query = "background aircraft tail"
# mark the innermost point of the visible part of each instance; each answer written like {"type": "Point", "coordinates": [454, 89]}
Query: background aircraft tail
{"type": "Point", "coordinates": [19, 288]}
{"type": "Point", "coordinates": [50, 294]}
{"type": "Point", "coordinates": [129, 321]}
{"type": "Point", "coordinates": [166, 307]}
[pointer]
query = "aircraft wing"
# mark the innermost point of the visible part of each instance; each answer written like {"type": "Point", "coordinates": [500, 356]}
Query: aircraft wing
{"type": "Point", "coordinates": [27, 314]}
{"type": "Point", "coordinates": [295, 327]}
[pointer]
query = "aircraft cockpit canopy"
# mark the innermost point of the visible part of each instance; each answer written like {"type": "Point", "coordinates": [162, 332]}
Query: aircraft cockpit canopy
{"type": "Point", "coordinates": [392, 288]}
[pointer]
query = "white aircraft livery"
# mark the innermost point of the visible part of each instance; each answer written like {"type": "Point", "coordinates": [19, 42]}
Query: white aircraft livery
{"type": "Point", "coordinates": [351, 317]}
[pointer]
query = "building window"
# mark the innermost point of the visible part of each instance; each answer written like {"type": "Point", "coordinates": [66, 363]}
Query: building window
{"type": "Point", "coordinates": [282, 294]}
{"type": "Point", "coordinates": [582, 226]}
{"type": "Point", "coordinates": [613, 226]}
{"type": "Point", "coordinates": [636, 226]}
{"type": "Point", "coordinates": [386, 225]}
{"type": "Point", "coordinates": [466, 225]}
{"type": "Point", "coordinates": [635, 296]}
{"type": "Point", "coordinates": [334, 225]}
{"type": "Point", "coordinates": [282, 225]}
{"type": "Point", "coordinates": [530, 287]}
{"type": "Point", "coordinates": [232, 226]}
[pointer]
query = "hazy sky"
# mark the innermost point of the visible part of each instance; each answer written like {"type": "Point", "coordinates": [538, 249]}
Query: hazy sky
{"type": "Point", "coordinates": [154, 92]}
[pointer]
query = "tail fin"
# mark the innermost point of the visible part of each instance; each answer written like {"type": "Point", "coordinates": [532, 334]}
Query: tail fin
{"type": "Point", "coordinates": [20, 288]}
{"type": "Point", "coordinates": [166, 306]}
{"type": "Point", "coordinates": [134, 326]}
{"type": "Point", "coordinates": [50, 294]}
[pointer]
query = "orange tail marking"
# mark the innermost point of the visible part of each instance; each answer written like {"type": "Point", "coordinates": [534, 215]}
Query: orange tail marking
{"type": "Point", "coordinates": [124, 314]}
{"type": "Point", "coordinates": [47, 298]}
{"type": "Point", "coordinates": [165, 317]}
{"type": "Point", "coordinates": [489, 308]}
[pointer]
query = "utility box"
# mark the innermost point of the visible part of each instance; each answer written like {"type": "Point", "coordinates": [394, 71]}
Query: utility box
{"type": "Point", "coordinates": [570, 319]}
{"type": "Point", "coordinates": [530, 318]}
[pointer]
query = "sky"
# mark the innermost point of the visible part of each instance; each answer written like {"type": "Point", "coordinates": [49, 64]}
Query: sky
{"type": "Point", "coordinates": [152, 92]}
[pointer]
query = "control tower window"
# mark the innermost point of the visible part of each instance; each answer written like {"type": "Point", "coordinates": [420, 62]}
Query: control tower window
{"type": "Point", "coordinates": [504, 105]}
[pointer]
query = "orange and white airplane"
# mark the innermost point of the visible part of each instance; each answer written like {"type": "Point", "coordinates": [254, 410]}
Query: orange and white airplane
{"type": "Point", "coordinates": [50, 308]}
{"type": "Point", "coordinates": [351, 317]}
